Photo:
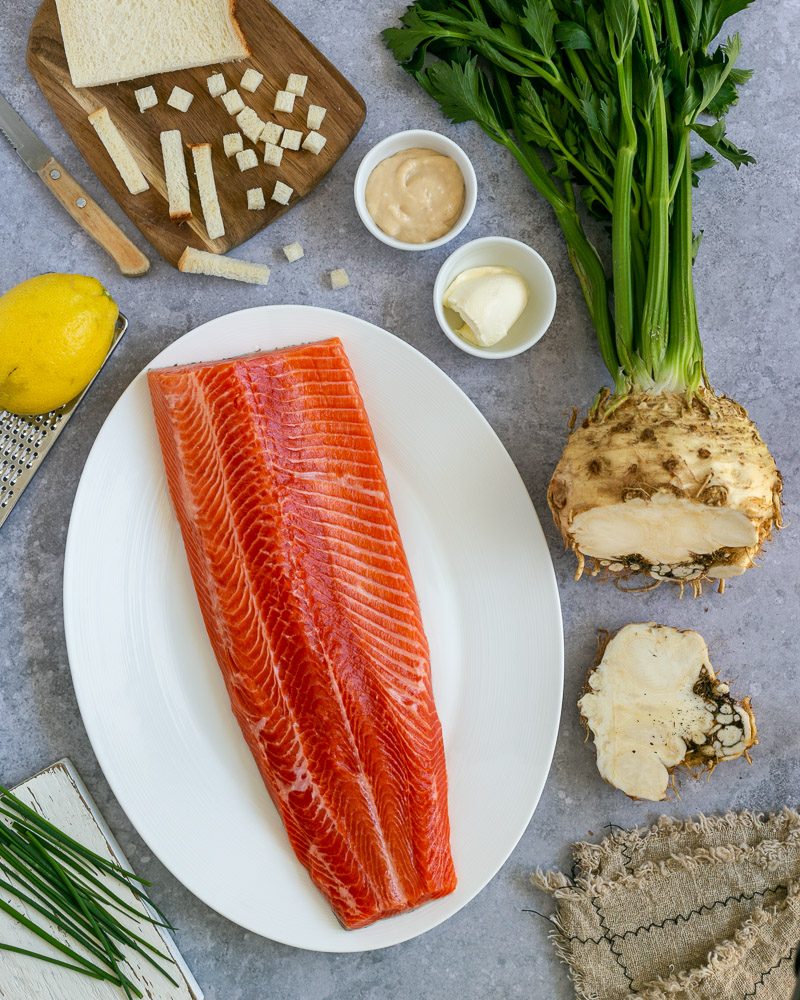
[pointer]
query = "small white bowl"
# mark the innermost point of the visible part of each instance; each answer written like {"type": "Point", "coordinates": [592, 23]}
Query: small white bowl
{"type": "Point", "coordinates": [500, 251]}
{"type": "Point", "coordinates": [423, 139]}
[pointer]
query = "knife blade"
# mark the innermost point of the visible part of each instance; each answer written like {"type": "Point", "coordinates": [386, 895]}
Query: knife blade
{"type": "Point", "coordinates": [83, 209]}
{"type": "Point", "coordinates": [30, 148]}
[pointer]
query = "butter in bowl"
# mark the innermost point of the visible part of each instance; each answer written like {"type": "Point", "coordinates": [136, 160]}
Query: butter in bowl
{"type": "Point", "coordinates": [494, 297]}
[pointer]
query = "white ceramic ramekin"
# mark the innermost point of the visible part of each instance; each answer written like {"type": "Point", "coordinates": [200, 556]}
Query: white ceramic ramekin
{"type": "Point", "coordinates": [500, 251]}
{"type": "Point", "coordinates": [423, 139]}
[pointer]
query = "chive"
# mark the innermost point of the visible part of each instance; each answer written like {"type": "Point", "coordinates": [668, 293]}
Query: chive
{"type": "Point", "coordinates": [56, 878]}
{"type": "Point", "coordinates": [56, 961]}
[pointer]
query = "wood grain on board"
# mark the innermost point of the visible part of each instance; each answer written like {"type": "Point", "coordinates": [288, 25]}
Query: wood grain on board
{"type": "Point", "coordinates": [278, 49]}
{"type": "Point", "coordinates": [58, 794]}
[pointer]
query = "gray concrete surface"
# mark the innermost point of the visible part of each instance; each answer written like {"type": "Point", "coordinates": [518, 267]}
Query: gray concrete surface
{"type": "Point", "coordinates": [749, 300]}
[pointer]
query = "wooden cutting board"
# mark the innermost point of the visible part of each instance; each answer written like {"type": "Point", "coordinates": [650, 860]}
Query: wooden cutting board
{"type": "Point", "coordinates": [278, 49]}
{"type": "Point", "coordinates": [59, 795]}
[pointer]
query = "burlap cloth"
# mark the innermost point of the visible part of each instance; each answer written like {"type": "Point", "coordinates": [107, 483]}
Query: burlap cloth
{"type": "Point", "coordinates": [683, 910]}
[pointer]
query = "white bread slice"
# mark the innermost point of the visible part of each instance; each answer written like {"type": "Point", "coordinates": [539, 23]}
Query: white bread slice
{"type": "Point", "coordinates": [108, 41]}
{"type": "Point", "coordinates": [201, 262]}
{"type": "Point", "coordinates": [175, 174]}
{"type": "Point", "coordinates": [207, 188]}
{"type": "Point", "coordinates": [118, 150]}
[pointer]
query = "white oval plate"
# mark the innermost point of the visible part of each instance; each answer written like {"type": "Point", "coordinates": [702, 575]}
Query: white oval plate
{"type": "Point", "coordinates": [152, 696]}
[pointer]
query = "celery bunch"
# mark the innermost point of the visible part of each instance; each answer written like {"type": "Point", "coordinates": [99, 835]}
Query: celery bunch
{"type": "Point", "coordinates": [598, 100]}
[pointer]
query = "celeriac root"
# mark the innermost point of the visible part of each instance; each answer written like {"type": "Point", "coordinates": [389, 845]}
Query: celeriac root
{"type": "Point", "coordinates": [680, 488]}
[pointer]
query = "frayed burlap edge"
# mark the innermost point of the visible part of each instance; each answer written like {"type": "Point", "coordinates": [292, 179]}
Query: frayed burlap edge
{"type": "Point", "coordinates": [767, 854]}
{"type": "Point", "coordinates": [590, 857]}
{"type": "Point", "coordinates": [560, 886]}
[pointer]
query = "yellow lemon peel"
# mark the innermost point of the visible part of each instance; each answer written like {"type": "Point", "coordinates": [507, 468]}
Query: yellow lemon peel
{"type": "Point", "coordinates": [55, 333]}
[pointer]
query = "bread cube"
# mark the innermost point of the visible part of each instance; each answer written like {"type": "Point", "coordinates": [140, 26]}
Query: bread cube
{"type": "Point", "coordinates": [216, 85]}
{"type": "Point", "coordinates": [291, 139]}
{"type": "Point", "coordinates": [247, 159]}
{"type": "Point", "coordinates": [282, 193]}
{"type": "Point", "coordinates": [180, 99]}
{"type": "Point", "coordinates": [232, 143]}
{"type": "Point", "coordinates": [272, 132]}
{"type": "Point", "coordinates": [339, 278]}
{"type": "Point", "coordinates": [255, 199]}
{"type": "Point", "coordinates": [293, 252]}
{"type": "Point", "coordinates": [251, 80]}
{"type": "Point", "coordinates": [284, 101]}
{"type": "Point", "coordinates": [314, 143]}
{"type": "Point", "coordinates": [146, 98]}
{"type": "Point", "coordinates": [296, 84]}
{"type": "Point", "coordinates": [315, 116]}
{"type": "Point", "coordinates": [273, 155]}
{"type": "Point", "coordinates": [249, 122]}
{"type": "Point", "coordinates": [233, 102]}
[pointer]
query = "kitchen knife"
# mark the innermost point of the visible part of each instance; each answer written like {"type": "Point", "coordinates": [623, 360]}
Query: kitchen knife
{"type": "Point", "coordinates": [83, 209]}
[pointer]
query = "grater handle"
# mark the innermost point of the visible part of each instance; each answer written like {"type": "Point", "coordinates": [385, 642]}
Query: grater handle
{"type": "Point", "coordinates": [90, 217]}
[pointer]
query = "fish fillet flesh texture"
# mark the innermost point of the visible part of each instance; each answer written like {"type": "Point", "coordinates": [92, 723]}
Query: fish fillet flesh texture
{"type": "Point", "coordinates": [308, 601]}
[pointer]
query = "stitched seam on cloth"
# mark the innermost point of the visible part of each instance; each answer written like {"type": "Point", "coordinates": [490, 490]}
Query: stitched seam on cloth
{"type": "Point", "coordinates": [734, 950]}
{"type": "Point", "coordinates": [562, 945]}
{"type": "Point", "coordinates": [765, 975]}
{"type": "Point", "coordinates": [611, 938]}
{"type": "Point", "coordinates": [705, 908]}
{"type": "Point", "coordinates": [580, 940]}
{"type": "Point", "coordinates": [767, 842]}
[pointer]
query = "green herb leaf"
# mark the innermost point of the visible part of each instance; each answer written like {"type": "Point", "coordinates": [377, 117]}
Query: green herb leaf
{"type": "Point", "coordinates": [572, 36]}
{"type": "Point", "coordinates": [504, 10]}
{"type": "Point", "coordinates": [621, 19]}
{"type": "Point", "coordinates": [539, 20]}
{"type": "Point", "coordinates": [715, 136]}
{"type": "Point", "coordinates": [460, 93]}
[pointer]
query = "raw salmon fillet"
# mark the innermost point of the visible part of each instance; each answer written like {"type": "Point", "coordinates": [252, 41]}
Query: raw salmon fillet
{"type": "Point", "coordinates": [310, 607]}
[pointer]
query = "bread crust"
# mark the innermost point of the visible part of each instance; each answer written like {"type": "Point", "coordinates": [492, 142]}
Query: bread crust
{"type": "Point", "coordinates": [237, 28]}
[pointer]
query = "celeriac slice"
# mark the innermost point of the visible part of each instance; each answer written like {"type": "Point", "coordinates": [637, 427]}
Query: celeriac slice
{"type": "Point", "coordinates": [653, 703]}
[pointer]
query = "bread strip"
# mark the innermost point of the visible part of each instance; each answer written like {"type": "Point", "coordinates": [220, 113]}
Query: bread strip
{"type": "Point", "coordinates": [175, 174]}
{"type": "Point", "coordinates": [204, 170]}
{"type": "Point", "coordinates": [118, 150]}
{"type": "Point", "coordinates": [201, 262]}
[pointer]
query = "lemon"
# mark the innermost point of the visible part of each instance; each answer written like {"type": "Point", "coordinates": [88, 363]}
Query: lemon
{"type": "Point", "coordinates": [55, 332]}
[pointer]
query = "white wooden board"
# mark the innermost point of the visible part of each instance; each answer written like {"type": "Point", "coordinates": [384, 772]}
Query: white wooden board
{"type": "Point", "coordinates": [59, 795]}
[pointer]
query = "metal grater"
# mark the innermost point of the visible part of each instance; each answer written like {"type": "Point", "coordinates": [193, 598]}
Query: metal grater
{"type": "Point", "coordinates": [24, 441]}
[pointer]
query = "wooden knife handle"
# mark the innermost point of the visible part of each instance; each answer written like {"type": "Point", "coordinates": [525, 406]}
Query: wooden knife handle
{"type": "Point", "coordinates": [90, 217]}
